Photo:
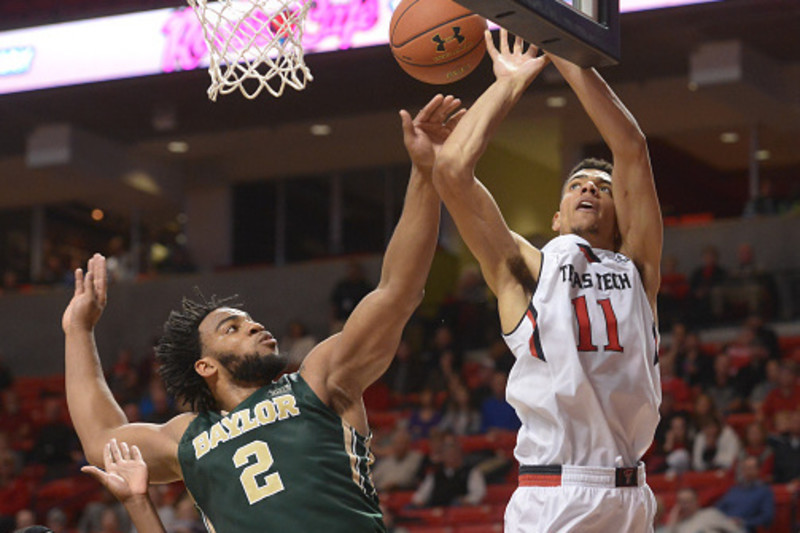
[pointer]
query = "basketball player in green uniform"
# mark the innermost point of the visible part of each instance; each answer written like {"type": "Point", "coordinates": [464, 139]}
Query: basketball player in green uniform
{"type": "Point", "coordinates": [261, 455]}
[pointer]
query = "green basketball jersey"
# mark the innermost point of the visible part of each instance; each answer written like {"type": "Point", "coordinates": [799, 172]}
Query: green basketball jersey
{"type": "Point", "coordinates": [281, 461]}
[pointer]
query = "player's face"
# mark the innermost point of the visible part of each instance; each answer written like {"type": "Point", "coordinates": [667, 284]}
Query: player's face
{"type": "Point", "coordinates": [587, 209]}
{"type": "Point", "coordinates": [242, 346]}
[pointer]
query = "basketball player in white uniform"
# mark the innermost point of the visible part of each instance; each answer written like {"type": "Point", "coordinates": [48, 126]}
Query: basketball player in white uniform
{"type": "Point", "coordinates": [579, 314]}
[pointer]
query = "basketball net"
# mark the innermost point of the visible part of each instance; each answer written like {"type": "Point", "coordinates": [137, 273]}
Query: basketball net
{"type": "Point", "coordinates": [254, 45]}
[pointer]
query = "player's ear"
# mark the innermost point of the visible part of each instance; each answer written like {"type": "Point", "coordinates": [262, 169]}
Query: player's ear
{"type": "Point", "coordinates": [557, 222]}
{"type": "Point", "coordinates": [205, 366]}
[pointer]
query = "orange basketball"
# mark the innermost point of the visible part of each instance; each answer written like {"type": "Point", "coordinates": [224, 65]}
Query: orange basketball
{"type": "Point", "coordinates": [436, 41]}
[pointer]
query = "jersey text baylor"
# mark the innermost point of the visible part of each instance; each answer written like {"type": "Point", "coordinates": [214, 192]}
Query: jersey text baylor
{"type": "Point", "coordinates": [280, 461]}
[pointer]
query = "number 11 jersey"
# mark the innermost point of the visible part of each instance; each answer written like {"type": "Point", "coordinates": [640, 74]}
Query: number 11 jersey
{"type": "Point", "coordinates": [280, 461]}
{"type": "Point", "coordinates": [585, 383]}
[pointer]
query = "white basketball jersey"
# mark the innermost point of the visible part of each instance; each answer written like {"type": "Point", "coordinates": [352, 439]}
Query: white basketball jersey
{"type": "Point", "coordinates": [585, 384]}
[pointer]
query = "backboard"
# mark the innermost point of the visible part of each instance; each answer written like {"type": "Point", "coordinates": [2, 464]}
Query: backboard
{"type": "Point", "coordinates": [584, 31]}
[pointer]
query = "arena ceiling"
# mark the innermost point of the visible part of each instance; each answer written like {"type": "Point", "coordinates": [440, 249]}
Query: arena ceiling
{"type": "Point", "coordinates": [358, 93]}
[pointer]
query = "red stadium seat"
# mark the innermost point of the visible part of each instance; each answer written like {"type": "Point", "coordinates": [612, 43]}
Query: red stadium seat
{"type": "Point", "coordinates": [740, 421]}
{"type": "Point", "coordinates": [431, 516]}
{"type": "Point", "coordinates": [430, 529]}
{"type": "Point", "coordinates": [468, 514]}
{"type": "Point", "coordinates": [663, 482]}
{"type": "Point", "coordinates": [500, 493]}
{"type": "Point", "coordinates": [785, 500]}
{"type": "Point", "coordinates": [480, 528]}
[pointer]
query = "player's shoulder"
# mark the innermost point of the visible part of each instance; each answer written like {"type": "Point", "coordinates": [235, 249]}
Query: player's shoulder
{"type": "Point", "coordinates": [177, 425]}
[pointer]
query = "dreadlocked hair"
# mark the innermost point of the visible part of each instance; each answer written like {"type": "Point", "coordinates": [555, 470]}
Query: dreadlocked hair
{"type": "Point", "coordinates": [180, 347]}
{"type": "Point", "coordinates": [592, 162]}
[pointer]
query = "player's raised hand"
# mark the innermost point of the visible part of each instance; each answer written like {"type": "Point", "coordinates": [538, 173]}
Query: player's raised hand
{"type": "Point", "coordinates": [515, 61]}
{"type": "Point", "coordinates": [89, 298]}
{"type": "Point", "coordinates": [125, 474]}
{"type": "Point", "coordinates": [425, 133]}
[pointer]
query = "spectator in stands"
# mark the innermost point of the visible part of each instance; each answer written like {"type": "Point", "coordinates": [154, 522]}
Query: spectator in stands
{"type": "Point", "coordinates": [56, 444]}
{"type": "Point", "coordinates": [25, 518]}
{"type": "Point", "coordinates": [406, 373]}
{"type": "Point", "coordinates": [764, 335]}
{"type": "Point", "coordinates": [496, 413]}
{"type": "Point", "coordinates": [677, 446]}
{"type": "Point", "coordinates": [686, 516]}
{"type": "Point", "coordinates": [120, 262]}
{"type": "Point", "coordinates": [786, 397]}
{"type": "Point", "coordinates": [762, 389]}
{"type": "Point", "coordinates": [123, 378]}
{"type": "Point", "coordinates": [703, 282]}
{"type": "Point", "coordinates": [166, 512]}
{"type": "Point", "coordinates": [750, 289]}
{"type": "Point", "coordinates": [467, 309]}
{"type": "Point", "coordinates": [97, 515]}
{"type": "Point", "coordinates": [672, 294]}
{"type": "Point", "coordinates": [399, 468]}
{"type": "Point", "coordinates": [715, 447]}
{"type": "Point", "coordinates": [670, 383]}
{"type": "Point", "coordinates": [722, 390]}
{"type": "Point", "coordinates": [750, 502]}
{"type": "Point", "coordinates": [425, 417]}
{"type": "Point", "coordinates": [703, 410]}
{"type": "Point", "coordinates": [460, 416]}
{"type": "Point", "coordinates": [14, 492]}
{"type": "Point", "coordinates": [786, 448]}
{"type": "Point", "coordinates": [755, 445]}
{"type": "Point", "coordinates": [444, 359]}
{"type": "Point", "coordinates": [15, 421]}
{"type": "Point", "coordinates": [156, 407]}
{"type": "Point", "coordinates": [187, 519]}
{"type": "Point", "coordinates": [451, 482]}
{"type": "Point", "coordinates": [297, 343]}
{"type": "Point", "coordinates": [390, 522]}
{"type": "Point", "coordinates": [347, 293]}
{"type": "Point", "coordinates": [57, 520]}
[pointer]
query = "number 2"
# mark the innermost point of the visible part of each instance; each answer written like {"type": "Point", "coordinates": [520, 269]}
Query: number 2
{"type": "Point", "coordinates": [272, 483]}
{"type": "Point", "coordinates": [585, 327]}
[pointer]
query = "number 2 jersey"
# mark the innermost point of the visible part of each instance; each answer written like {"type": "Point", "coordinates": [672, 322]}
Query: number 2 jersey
{"type": "Point", "coordinates": [585, 383]}
{"type": "Point", "coordinates": [280, 461]}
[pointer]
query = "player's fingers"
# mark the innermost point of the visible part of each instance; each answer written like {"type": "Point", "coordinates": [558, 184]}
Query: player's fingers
{"type": "Point", "coordinates": [490, 47]}
{"type": "Point", "coordinates": [126, 451]}
{"type": "Point", "coordinates": [95, 472]}
{"type": "Point", "coordinates": [116, 453]}
{"type": "Point", "coordinates": [453, 106]}
{"type": "Point", "coordinates": [441, 112]}
{"type": "Point", "coordinates": [407, 123]}
{"type": "Point", "coordinates": [136, 453]}
{"type": "Point", "coordinates": [425, 113]}
{"type": "Point", "coordinates": [503, 41]}
{"type": "Point", "coordinates": [453, 121]}
{"type": "Point", "coordinates": [78, 281]}
{"type": "Point", "coordinates": [108, 459]}
{"type": "Point", "coordinates": [101, 279]}
{"type": "Point", "coordinates": [519, 44]}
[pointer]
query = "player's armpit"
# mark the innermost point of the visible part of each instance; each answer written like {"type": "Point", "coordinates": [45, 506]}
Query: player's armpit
{"type": "Point", "coordinates": [157, 442]}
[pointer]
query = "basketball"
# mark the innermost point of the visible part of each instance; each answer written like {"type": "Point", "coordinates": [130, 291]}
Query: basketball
{"type": "Point", "coordinates": [436, 41]}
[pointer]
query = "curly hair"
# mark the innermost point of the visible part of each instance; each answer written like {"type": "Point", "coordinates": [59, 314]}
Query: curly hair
{"type": "Point", "coordinates": [180, 347]}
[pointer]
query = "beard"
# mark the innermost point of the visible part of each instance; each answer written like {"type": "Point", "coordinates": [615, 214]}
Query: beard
{"type": "Point", "coordinates": [254, 369]}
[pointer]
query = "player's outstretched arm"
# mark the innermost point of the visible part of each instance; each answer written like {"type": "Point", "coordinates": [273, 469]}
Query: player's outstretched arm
{"type": "Point", "coordinates": [340, 368]}
{"type": "Point", "coordinates": [637, 208]}
{"type": "Point", "coordinates": [508, 264]}
{"type": "Point", "coordinates": [126, 477]}
{"type": "Point", "coordinates": [96, 415]}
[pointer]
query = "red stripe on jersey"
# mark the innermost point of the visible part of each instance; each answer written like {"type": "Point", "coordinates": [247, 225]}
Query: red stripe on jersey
{"type": "Point", "coordinates": [532, 341]}
{"type": "Point", "coordinates": [540, 480]}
